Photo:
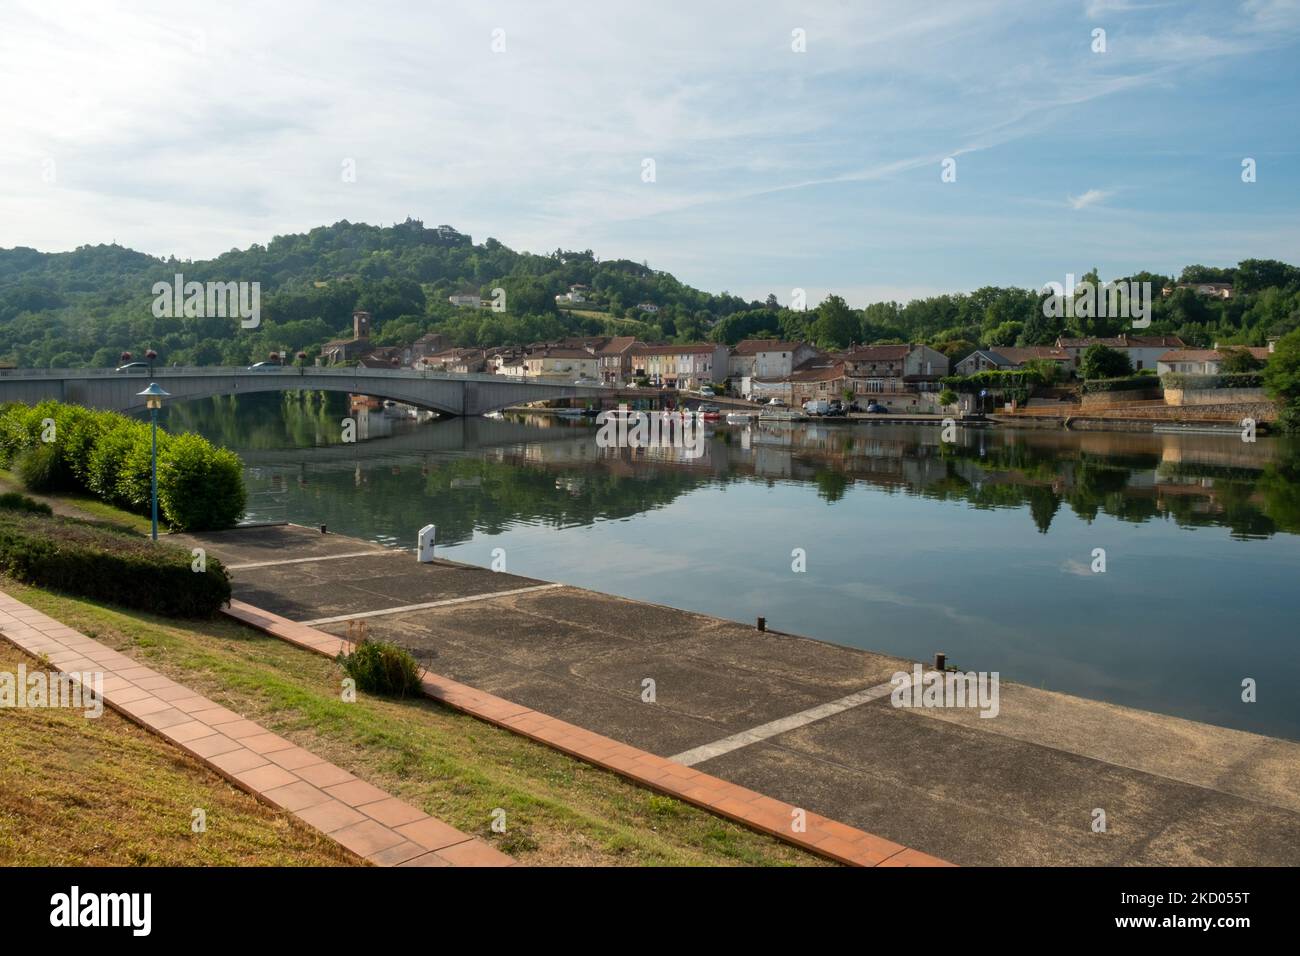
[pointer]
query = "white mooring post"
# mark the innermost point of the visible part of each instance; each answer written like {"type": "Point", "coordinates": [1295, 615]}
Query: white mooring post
{"type": "Point", "coordinates": [425, 549]}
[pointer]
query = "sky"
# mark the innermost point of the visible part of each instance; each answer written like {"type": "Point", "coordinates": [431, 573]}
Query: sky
{"type": "Point", "coordinates": [794, 145]}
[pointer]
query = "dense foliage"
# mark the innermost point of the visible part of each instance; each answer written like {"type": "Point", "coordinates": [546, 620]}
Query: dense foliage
{"type": "Point", "coordinates": [88, 306]}
{"type": "Point", "coordinates": [108, 564]}
{"type": "Point", "coordinates": [56, 447]}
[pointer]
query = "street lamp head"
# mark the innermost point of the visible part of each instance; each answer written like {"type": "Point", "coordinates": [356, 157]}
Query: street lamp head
{"type": "Point", "coordinates": [154, 395]}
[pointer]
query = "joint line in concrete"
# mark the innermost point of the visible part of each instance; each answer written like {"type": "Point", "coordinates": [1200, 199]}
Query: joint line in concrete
{"type": "Point", "coordinates": [324, 557]}
{"type": "Point", "coordinates": [428, 604]}
{"type": "Point", "coordinates": [781, 725]}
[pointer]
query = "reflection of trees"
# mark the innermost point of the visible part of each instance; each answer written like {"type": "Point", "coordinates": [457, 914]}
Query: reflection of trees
{"type": "Point", "coordinates": [1207, 484]}
{"type": "Point", "coordinates": [831, 484]}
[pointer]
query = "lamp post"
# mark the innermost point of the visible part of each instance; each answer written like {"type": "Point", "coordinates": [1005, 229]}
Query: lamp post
{"type": "Point", "coordinates": [154, 396]}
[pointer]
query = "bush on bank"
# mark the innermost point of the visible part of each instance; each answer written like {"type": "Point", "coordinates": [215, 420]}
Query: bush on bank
{"type": "Point", "coordinates": [382, 667]}
{"type": "Point", "coordinates": [105, 564]}
{"type": "Point", "coordinates": [56, 447]}
{"type": "Point", "coordinates": [1126, 383]}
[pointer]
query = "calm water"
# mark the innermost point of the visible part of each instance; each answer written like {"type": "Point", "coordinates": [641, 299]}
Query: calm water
{"type": "Point", "coordinates": [982, 549]}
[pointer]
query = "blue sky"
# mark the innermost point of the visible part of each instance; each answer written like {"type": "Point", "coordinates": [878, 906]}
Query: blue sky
{"type": "Point", "coordinates": [194, 128]}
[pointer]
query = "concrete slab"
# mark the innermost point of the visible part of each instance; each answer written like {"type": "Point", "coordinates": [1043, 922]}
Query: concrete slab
{"type": "Point", "coordinates": [1020, 788]}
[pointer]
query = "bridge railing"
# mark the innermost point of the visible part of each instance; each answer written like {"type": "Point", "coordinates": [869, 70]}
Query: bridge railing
{"type": "Point", "coordinates": [208, 371]}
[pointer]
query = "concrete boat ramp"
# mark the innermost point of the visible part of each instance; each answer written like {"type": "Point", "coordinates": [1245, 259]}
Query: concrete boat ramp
{"type": "Point", "coordinates": [800, 720]}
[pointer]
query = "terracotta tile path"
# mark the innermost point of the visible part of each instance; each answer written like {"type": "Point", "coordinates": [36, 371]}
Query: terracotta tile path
{"type": "Point", "coordinates": [371, 823]}
{"type": "Point", "coordinates": [820, 835]}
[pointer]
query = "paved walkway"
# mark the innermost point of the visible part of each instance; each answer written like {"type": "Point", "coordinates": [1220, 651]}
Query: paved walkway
{"type": "Point", "coordinates": [801, 721]}
{"type": "Point", "coordinates": [811, 831]}
{"type": "Point", "coordinates": [366, 820]}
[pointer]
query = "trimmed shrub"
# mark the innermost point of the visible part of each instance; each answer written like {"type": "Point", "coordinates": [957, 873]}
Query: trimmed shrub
{"type": "Point", "coordinates": [1186, 380]}
{"type": "Point", "coordinates": [13, 501]}
{"type": "Point", "coordinates": [99, 562]}
{"type": "Point", "coordinates": [1128, 383]}
{"type": "Point", "coordinates": [382, 667]}
{"type": "Point", "coordinates": [200, 488]}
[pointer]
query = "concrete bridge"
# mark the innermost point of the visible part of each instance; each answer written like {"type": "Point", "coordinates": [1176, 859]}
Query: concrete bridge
{"type": "Point", "coordinates": [442, 392]}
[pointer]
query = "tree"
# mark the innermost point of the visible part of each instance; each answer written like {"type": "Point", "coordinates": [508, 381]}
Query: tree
{"type": "Point", "coordinates": [1102, 362]}
{"type": "Point", "coordinates": [836, 325]}
{"type": "Point", "coordinates": [1282, 379]}
{"type": "Point", "coordinates": [1238, 360]}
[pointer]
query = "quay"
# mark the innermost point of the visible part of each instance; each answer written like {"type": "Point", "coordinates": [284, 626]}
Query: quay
{"type": "Point", "coordinates": [800, 720]}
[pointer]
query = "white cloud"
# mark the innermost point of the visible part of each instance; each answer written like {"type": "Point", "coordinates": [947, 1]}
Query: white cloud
{"type": "Point", "coordinates": [1091, 197]}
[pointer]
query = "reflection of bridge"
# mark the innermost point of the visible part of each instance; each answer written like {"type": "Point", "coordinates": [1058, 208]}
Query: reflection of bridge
{"type": "Point", "coordinates": [462, 434]}
{"type": "Point", "coordinates": [442, 392]}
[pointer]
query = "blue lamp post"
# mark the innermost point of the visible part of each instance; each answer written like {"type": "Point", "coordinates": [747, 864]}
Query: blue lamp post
{"type": "Point", "coordinates": [154, 396]}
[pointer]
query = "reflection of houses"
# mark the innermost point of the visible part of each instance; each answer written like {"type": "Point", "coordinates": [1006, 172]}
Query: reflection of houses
{"type": "Point", "coordinates": [1143, 351]}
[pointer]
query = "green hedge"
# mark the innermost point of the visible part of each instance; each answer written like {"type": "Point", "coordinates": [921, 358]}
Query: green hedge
{"type": "Point", "coordinates": [1125, 384]}
{"type": "Point", "coordinates": [107, 564]}
{"type": "Point", "coordinates": [107, 455]}
{"type": "Point", "coordinates": [1018, 379]}
{"type": "Point", "coordinates": [1185, 380]}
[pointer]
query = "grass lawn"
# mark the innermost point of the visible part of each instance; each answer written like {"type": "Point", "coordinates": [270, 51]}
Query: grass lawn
{"type": "Point", "coordinates": [78, 791]}
{"type": "Point", "coordinates": [559, 811]}
{"type": "Point", "coordinates": [79, 506]}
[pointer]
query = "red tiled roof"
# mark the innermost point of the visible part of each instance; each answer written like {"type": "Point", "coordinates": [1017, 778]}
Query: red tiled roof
{"type": "Point", "coordinates": [877, 353]}
{"type": "Point", "coordinates": [673, 349]}
{"type": "Point", "coordinates": [754, 346]}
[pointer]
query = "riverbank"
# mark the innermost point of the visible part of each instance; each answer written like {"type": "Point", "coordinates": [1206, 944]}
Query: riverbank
{"type": "Point", "coordinates": [807, 723]}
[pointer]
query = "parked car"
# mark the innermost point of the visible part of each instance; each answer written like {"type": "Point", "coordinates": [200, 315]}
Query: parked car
{"type": "Point", "coordinates": [816, 406]}
{"type": "Point", "coordinates": [130, 367]}
{"type": "Point", "coordinates": [777, 403]}
{"type": "Point", "coordinates": [874, 409]}
{"type": "Point", "coordinates": [836, 409]}
{"type": "Point", "coordinates": [265, 367]}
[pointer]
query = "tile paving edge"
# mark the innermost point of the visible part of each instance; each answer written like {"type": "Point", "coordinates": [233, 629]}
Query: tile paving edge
{"type": "Point", "coordinates": [623, 758]}
{"type": "Point", "coordinates": [23, 643]}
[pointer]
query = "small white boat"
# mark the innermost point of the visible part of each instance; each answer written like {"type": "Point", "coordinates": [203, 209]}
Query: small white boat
{"type": "Point", "coordinates": [741, 418]}
{"type": "Point", "coordinates": [572, 413]}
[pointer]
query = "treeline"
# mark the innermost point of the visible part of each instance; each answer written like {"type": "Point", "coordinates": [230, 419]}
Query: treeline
{"type": "Point", "coordinates": [88, 306]}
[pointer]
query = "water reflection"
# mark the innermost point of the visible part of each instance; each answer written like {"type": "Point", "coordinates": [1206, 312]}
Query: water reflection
{"type": "Point", "coordinates": [979, 547]}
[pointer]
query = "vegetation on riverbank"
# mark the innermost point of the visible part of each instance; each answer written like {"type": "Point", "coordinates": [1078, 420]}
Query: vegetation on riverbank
{"type": "Point", "coordinates": [55, 447]}
{"type": "Point", "coordinates": [106, 562]}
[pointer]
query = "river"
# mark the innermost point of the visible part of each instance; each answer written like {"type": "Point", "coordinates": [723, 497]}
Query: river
{"type": "Point", "coordinates": [983, 548]}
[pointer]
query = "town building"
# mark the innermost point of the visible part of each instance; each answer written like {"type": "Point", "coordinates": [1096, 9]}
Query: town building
{"type": "Point", "coordinates": [1204, 361]}
{"type": "Point", "coordinates": [338, 351]}
{"type": "Point", "coordinates": [1215, 290]}
{"type": "Point", "coordinates": [1143, 351]}
{"type": "Point", "coordinates": [559, 362]}
{"type": "Point", "coordinates": [680, 366]}
{"type": "Point", "coordinates": [767, 358]}
{"type": "Point", "coordinates": [616, 359]}
{"type": "Point", "coordinates": [873, 369]}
